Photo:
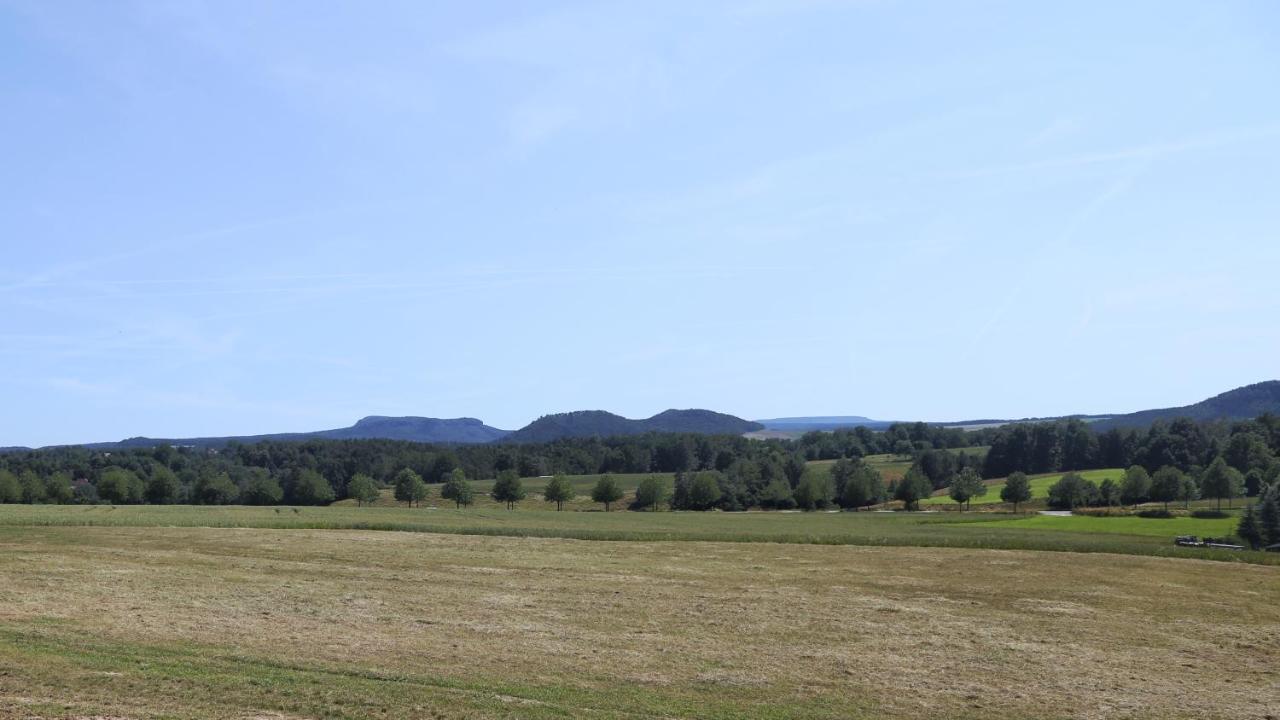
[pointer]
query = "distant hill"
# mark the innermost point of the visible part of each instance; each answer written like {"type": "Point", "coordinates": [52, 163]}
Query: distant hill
{"type": "Point", "coordinates": [1239, 404]}
{"type": "Point", "coordinates": [1242, 403]}
{"type": "Point", "coordinates": [598, 423]}
{"type": "Point", "coordinates": [415, 429]}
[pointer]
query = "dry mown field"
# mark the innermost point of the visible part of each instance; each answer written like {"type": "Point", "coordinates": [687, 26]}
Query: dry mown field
{"type": "Point", "coordinates": [253, 623]}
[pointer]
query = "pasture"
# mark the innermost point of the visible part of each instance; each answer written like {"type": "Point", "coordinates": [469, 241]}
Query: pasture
{"type": "Point", "coordinates": [195, 623]}
{"type": "Point", "coordinates": [1039, 488]}
{"type": "Point", "coordinates": [968, 530]}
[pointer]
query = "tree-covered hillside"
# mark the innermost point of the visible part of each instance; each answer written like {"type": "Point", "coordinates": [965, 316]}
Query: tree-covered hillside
{"type": "Point", "coordinates": [1242, 403]}
{"type": "Point", "coordinates": [598, 423]}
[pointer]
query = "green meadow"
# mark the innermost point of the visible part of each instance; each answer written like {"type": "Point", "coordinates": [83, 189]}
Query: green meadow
{"type": "Point", "coordinates": [1039, 487]}
{"type": "Point", "coordinates": [1129, 535]}
{"type": "Point", "coordinates": [893, 467]}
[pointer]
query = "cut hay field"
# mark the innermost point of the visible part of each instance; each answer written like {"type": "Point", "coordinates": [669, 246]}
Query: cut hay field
{"type": "Point", "coordinates": [1039, 487]}
{"type": "Point", "coordinates": [210, 623]}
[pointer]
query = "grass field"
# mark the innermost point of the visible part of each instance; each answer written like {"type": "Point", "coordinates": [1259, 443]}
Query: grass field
{"type": "Point", "coordinates": [581, 484]}
{"type": "Point", "coordinates": [1127, 525]}
{"type": "Point", "coordinates": [1039, 488]}
{"type": "Point", "coordinates": [207, 623]}
{"type": "Point", "coordinates": [972, 530]}
{"type": "Point", "coordinates": [893, 467]}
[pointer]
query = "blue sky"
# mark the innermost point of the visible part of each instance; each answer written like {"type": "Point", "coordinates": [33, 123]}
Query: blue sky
{"type": "Point", "coordinates": [239, 217]}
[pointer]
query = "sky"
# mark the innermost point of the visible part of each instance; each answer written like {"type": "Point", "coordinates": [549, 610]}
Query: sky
{"type": "Point", "coordinates": [240, 217]}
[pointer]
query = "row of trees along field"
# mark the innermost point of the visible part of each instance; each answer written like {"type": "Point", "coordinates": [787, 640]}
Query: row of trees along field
{"type": "Point", "coordinates": [749, 473]}
{"type": "Point", "coordinates": [1169, 484]}
{"type": "Point", "coordinates": [851, 484]}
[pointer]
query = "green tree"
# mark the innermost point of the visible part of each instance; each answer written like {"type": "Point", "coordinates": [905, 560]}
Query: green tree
{"type": "Point", "coordinates": [215, 489]}
{"type": "Point", "coordinates": [1248, 451]}
{"type": "Point", "coordinates": [912, 488]}
{"type": "Point", "coordinates": [606, 491]}
{"type": "Point", "coordinates": [558, 491]}
{"type": "Point", "coordinates": [842, 471]}
{"type": "Point", "coordinates": [1016, 490]}
{"type": "Point", "coordinates": [1109, 492]}
{"type": "Point", "coordinates": [793, 467]}
{"type": "Point", "coordinates": [508, 489]}
{"type": "Point", "coordinates": [777, 495]}
{"type": "Point", "coordinates": [966, 486]}
{"type": "Point", "coordinates": [32, 486]}
{"type": "Point", "coordinates": [704, 490]}
{"type": "Point", "coordinates": [162, 486]}
{"type": "Point", "coordinates": [864, 486]}
{"type": "Point", "coordinates": [1250, 529]}
{"type": "Point", "coordinates": [457, 489]}
{"type": "Point", "coordinates": [1269, 514]}
{"type": "Point", "coordinates": [57, 489]}
{"type": "Point", "coordinates": [310, 488]}
{"type": "Point", "coordinates": [10, 488]}
{"type": "Point", "coordinates": [650, 493]}
{"type": "Point", "coordinates": [1188, 489]}
{"type": "Point", "coordinates": [120, 486]}
{"type": "Point", "coordinates": [262, 489]}
{"type": "Point", "coordinates": [363, 489]}
{"type": "Point", "coordinates": [409, 487]}
{"type": "Point", "coordinates": [1166, 484]}
{"type": "Point", "coordinates": [813, 492]}
{"type": "Point", "coordinates": [1071, 491]}
{"type": "Point", "coordinates": [1221, 481]}
{"type": "Point", "coordinates": [1136, 486]}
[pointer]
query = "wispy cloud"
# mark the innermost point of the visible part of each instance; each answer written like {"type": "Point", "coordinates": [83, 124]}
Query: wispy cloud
{"type": "Point", "coordinates": [53, 274]}
{"type": "Point", "coordinates": [1057, 129]}
{"type": "Point", "coordinates": [1032, 269]}
{"type": "Point", "coordinates": [1147, 152]}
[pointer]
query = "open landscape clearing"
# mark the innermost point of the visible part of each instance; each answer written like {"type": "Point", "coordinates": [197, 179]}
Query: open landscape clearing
{"type": "Point", "coordinates": [260, 623]}
{"type": "Point", "coordinates": [649, 361]}
{"type": "Point", "coordinates": [1039, 488]}
{"type": "Point", "coordinates": [1129, 535]}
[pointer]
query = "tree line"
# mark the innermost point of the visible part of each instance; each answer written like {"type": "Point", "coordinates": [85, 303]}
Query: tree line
{"type": "Point", "coordinates": [1250, 446]}
{"type": "Point", "coordinates": [746, 473]}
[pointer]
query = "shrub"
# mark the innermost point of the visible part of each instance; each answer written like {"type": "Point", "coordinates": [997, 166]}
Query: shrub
{"type": "Point", "coordinates": [1209, 514]}
{"type": "Point", "coordinates": [1105, 512]}
{"type": "Point", "coordinates": [1154, 514]}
